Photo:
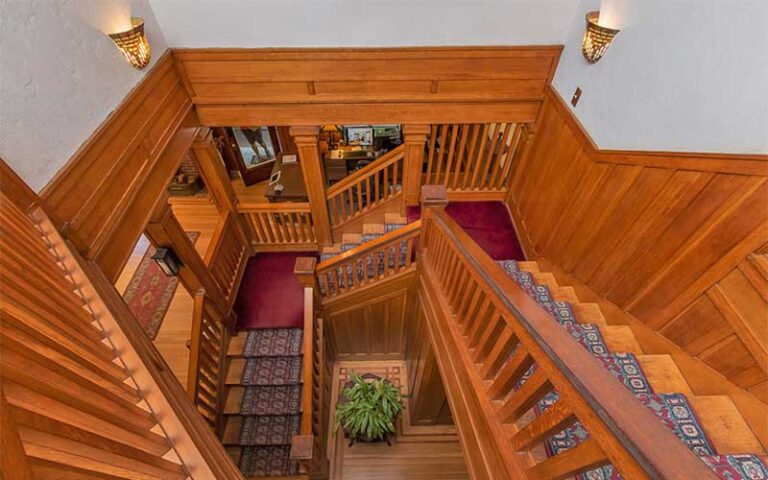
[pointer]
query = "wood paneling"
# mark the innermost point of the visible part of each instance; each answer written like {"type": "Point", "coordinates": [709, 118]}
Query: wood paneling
{"type": "Point", "coordinates": [102, 198]}
{"type": "Point", "coordinates": [372, 321]}
{"type": "Point", "coordinates": [428, 403]}
{"type": "Point", "coordinates": [315, 86]}
{"type": "Point", "coordinates": [663, 235]}
{"type": "Point", "coordinates": [338, 75]}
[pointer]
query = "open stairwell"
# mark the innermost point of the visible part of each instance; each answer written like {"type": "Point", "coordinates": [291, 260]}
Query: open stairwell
{"type": "Point", "coordinates": [262, 409]}
{"type": "Point", "coordinates": [710, 425]}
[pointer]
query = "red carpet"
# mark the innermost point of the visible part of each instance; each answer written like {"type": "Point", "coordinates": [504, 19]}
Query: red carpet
{"type": "Point", "coordinates": [270, 295]}
{"type": "Point", "coordinates": [150, 291]}
{"type": "Point", "coordinates": [488, 223]}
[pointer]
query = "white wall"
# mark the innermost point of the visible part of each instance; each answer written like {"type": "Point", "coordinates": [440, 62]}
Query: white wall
{"type": "Point", "coordinates": [362, 23]}
{"type": "Point", "coordinates": [682, 75]}
{"type": "Point", "coordinates": [59, 79]}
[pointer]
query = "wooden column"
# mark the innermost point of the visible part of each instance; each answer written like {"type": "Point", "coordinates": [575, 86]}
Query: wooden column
{"type": "Point", "coordinates": [314, 180]}
{"type": "Point", "coordinates": [164, 230]}
{"type": "Point", "coordinates": [216, 178]}
{"type": "Point", "coordinates": [415, 137]}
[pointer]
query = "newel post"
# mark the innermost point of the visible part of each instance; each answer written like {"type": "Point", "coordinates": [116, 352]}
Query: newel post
{"type": "Point", "coordinates": [434, 198]}
{"type": "Point", "coordinates": [305, 139]}
{"type": "Point", "coordinates": [415, 137]}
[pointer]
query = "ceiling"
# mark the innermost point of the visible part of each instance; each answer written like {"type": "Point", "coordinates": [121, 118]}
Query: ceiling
{"type": "Point", "coordinates": [362, 23]}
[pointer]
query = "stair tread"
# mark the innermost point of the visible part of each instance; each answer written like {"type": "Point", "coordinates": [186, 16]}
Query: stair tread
{"type": "Point", "coordinates": [619, 338]}
{"type": "Point", "coordinates": [664, 375]}
{"type": "Point", "coordinates": [727, 429]}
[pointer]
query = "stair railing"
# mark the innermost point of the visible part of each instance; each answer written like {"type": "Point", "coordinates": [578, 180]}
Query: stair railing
{"type": "Point", "coordinates": [371, 262]}
{"type": "Point", "coordinates": [207, 356]}
{"type": "Point", "coordinates": [488, 333]}
{"type": "Point", "coordinates": [284, 226]}
{"type": "Point", "coordinates": [201, 453]}
{"type": "Point", "coordinates": [367, 188]}
{"type": "Point", "coordinates": [227, 255]}
{"type": "Point", "coordinates": [473, 158]}
{"type": "Point", "coordinates": [310, 447]}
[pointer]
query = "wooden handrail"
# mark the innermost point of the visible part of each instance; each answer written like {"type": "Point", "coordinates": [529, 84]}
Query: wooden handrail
{"type": "Point", "coordinates": [367, 188]}
{"type": "Point", "coordinates": [623, 431]}
{"type": "Point", "coordinates": [392, 253]}
{"type": "Point", "coordinates": [246, 207]}
{"type": "Point", "coordinates": [309, 447]}
{"type": "Point", "coordinates": [375, 166]}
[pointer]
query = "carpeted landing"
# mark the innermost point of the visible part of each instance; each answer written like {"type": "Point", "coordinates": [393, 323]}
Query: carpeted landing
{"type": "Point", "coordinates": [271, 402]}
{"type": "Point", "coordinates": [672, 409]}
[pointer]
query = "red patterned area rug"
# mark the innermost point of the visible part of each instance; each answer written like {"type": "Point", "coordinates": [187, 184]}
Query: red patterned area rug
{"type": "Point", "coordinates": [150, 291]}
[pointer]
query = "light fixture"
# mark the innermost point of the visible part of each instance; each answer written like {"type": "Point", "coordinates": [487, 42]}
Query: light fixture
{"type": "Point", "coordinates": [167, 260]}
{"type": "Point", "coordinates": [597, 38]}
{"type": "Point", "coordinates": [133, 43]}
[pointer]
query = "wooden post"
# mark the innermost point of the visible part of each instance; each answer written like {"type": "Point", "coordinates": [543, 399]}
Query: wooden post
{"type": "Point", "coordinates": [214, 173]}
{"type": "Point", "coordinates": [164, 230]}
{"type": "Point", "coordinates": [415, 136]}
{"type": "Point", "coordinates": [314, 180]}
{"type": "Point", "coordinates": [433, 198]}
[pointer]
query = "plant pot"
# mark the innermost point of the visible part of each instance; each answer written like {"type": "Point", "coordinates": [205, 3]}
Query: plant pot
{"type": "Point", "coordinates": [364, 438]}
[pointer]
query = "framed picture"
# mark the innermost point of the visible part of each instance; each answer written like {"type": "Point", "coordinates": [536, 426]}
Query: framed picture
{"type": "Point", "coordinates": [359, 135]}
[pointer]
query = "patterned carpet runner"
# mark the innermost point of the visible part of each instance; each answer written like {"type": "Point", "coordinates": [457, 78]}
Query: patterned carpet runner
{"type": "Point", "coordinates": [271, 404]}
{"type": "Point", "coordinates": [150, 291]}
{"type": "Point", "coordinates": [673, 409]}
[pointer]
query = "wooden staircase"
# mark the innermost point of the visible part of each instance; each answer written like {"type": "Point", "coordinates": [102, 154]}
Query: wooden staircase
{"type": "Point", "coordinates": [263, 449]}
{"type": "Point", "coordinates": [729, 432]}
{"type": "Point", "coordinates": [83, 393]}
{"type": "Point", "coordinates": [368, 231]}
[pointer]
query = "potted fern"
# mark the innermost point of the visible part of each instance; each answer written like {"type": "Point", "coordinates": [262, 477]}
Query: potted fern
{"type": "Point", "coordinates": [368, 409]}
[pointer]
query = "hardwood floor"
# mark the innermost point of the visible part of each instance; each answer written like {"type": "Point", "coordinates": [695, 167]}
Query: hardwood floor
{"type": "Point", "coordinates": [417, 453]}
{"type": "Point", "coordinates": [196, 214]}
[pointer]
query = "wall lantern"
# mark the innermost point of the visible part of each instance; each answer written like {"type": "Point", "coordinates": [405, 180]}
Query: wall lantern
{"type": "Point", "coordinates": [167, 260]}
{"type": "Point", "coordinates": [133, 43]}
{"type": "Point", "coordinates": [597, 38]}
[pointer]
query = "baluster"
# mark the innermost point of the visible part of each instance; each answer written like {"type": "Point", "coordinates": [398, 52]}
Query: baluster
{"type": "Point", "coordinates": [451, 152]}
{"type": "Point", "coordinates": [387, 191]}
{"type": "Point", "coordinates": [460, 156]}
{"type": "Point", "coordinates": [442, 152]}
{"type": "Point", "coordinates": [510, 374]}
{"type": "Point", "coordinates": [431, 154]}
{"type": "Point", "coordinates": [377, 194]}
{"type": "Point", "coordinates": [502, 347]}
{"type": "Point", "coordinates": [492, 143]}
{"type": "Point", "coordinates": [493, 183]}
{"type": "Point", "coordinates": [532, 390]}
{"type": "Point", "coordinates": [553, 420]}
{"type": "Point", "coordinates": [395, 178]}
{"type": "Point", "coordinates": [476, 164]}
{"type": "Point", "coordinates": [469, 155]}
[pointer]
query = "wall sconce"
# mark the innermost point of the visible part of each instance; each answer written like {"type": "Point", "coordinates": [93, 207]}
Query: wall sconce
{"type": "Point", "coordinates": [133, 43]}
{"type": "Point", "coordinates": [597, 38]}
{"type": "Point", "coordinates": [167, 260]}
